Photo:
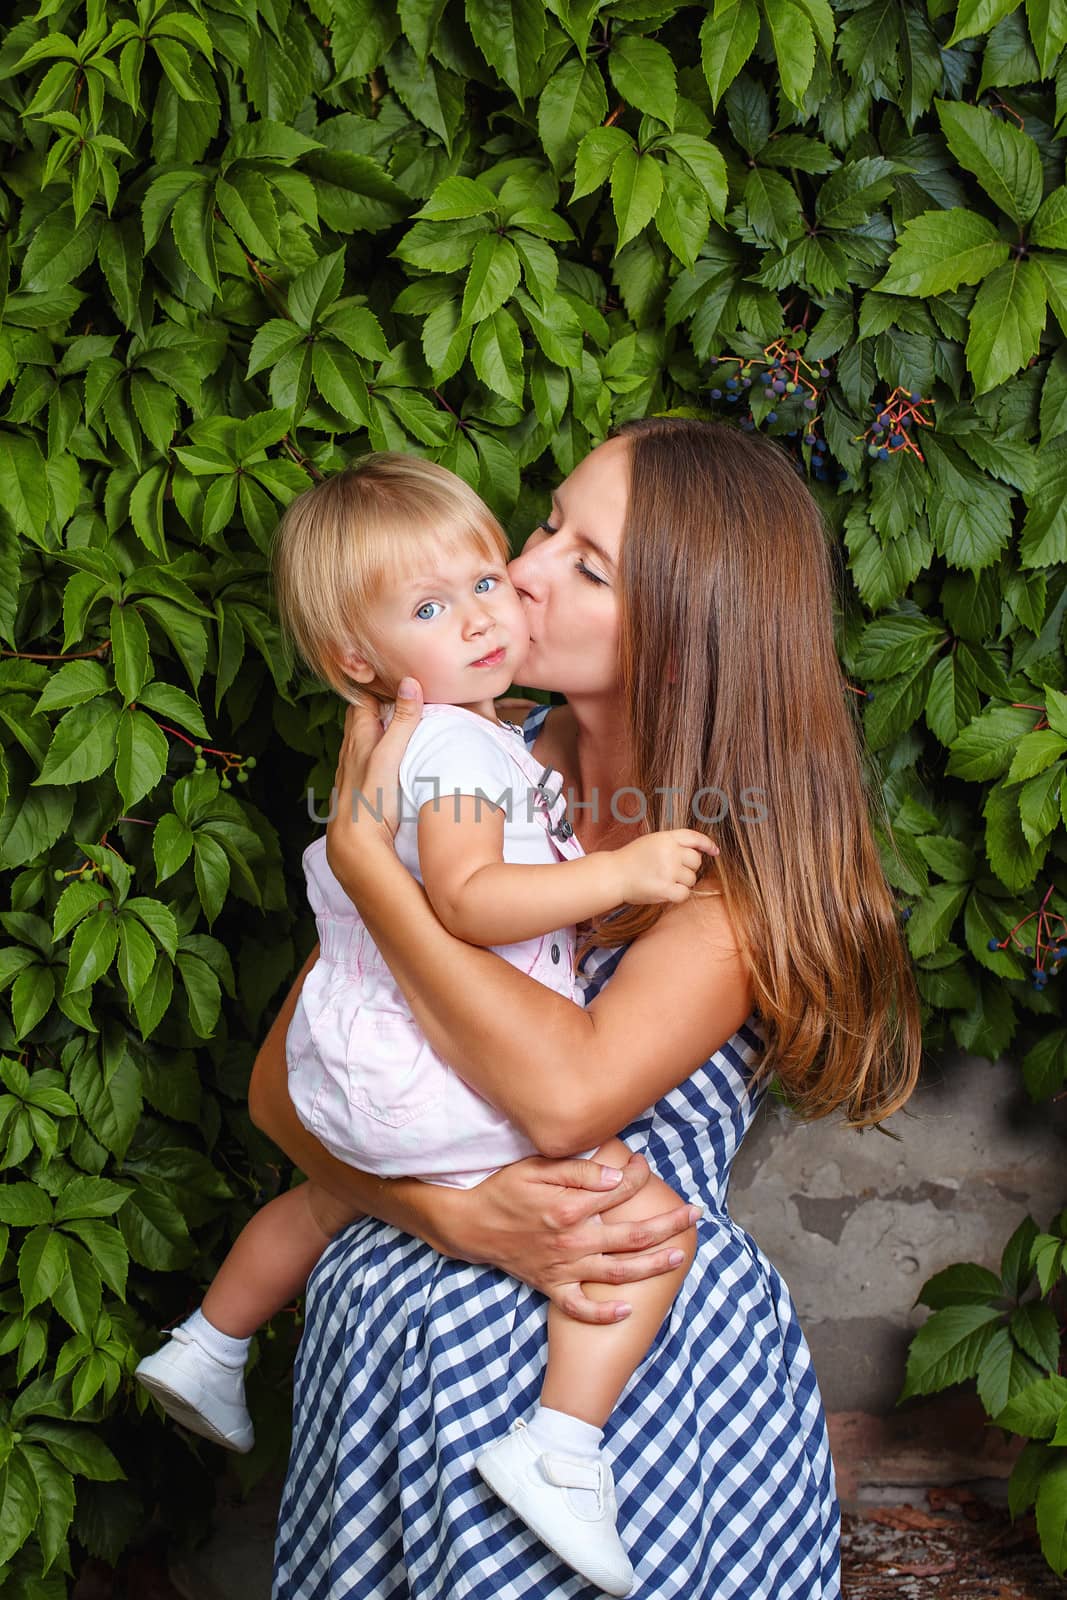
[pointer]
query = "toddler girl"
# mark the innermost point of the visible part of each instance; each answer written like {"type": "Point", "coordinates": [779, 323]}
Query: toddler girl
{"type": "Point", "coordinates": [394, 567]}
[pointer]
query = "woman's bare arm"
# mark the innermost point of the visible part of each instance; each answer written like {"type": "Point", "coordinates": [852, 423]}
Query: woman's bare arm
{"type": "Point", "coordinates": [533, 1219]}
{"type": "Point", "coordinates": [569, 1077]}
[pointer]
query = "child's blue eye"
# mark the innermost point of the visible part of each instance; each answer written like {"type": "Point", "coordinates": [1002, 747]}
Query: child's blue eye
{"type": "Point", "coordinates": [426, 606]}
{"type": "Point", "coordinates": [478, 586]}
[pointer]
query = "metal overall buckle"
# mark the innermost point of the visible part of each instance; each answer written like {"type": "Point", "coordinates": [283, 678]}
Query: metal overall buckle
{"type": "Point", "coordinates": [562, 829]}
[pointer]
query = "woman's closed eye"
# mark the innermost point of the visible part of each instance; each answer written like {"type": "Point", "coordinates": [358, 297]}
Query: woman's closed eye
{"type": "Point", "coordinates": [579, 565]}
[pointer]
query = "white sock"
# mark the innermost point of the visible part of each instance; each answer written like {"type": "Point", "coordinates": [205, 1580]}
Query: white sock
{"type": "Point", "coordinates": [561, 1434]}
{"type": "Point", "coordinates": [228, 1351]}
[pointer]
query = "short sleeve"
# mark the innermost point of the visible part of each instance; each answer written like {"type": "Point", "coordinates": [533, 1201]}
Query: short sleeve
{"type": "Point", "coordinates": [447, 756]}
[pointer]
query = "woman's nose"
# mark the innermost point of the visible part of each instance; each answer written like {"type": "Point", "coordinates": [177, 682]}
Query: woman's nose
{"type": "Point", "coordinates": [527, 573]}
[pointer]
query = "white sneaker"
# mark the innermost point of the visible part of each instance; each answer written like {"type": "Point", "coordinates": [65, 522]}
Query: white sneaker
{"type": "Point", "coordinates": [535, 1486]}
{"type": "Point", "coordinates": [199, 1392]}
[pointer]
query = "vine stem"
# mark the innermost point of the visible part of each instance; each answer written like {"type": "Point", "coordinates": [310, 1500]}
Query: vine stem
{"type": "Point", "coordinates": [301, 460]}
{"type": "Point", "coordinates": [78, 655]}
{"type": "Point", "coordinates": [460, 424]}
{"type": "Point", "coordinates": [206, 749]}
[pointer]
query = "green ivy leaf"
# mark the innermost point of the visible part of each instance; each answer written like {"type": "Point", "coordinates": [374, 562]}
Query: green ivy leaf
{"type": "Point", "coordinates": [203, 993]}
{"type": "Point", "coordinates": [1014, 860]}
{"type": "Point", "coordinates": [511, 36]}
{"type": "Point", "coordinates": [493, 277]}
{"type": "Point", "coordinates": [1048, 30]}
{"type": "Point", "coordinates": [572, 102]}
{"type": "Point", "coordinates": [496, 351]}
{"type": "Point", "coordinates": [986, 746]}
{"type": "Point", "coordinates": [23, 484]}
{"type": "Point", "coordinates": [42, 1263]}
{"type": "Point", "coordinates": [597, 153]}
{"type": "Point", "coordinates": [851, 193]}
{"type": "Point", "coordinates": [931, 921]}
{"type": "Point", "coordinates": [92, 950]}
{"type": "Point", "coordinates": [78, 1294]}
{"type": "Point", "coordinates": [314, 290]}
{"type": "Point", "coordinates": [644, 74]}
{"type": "Point", "coordinates": [137, 955]}
{"type": "Point", "coordinates": [893, 645]}
{"type": "Point", "coordinates": [129, 643]}
{"type": "Point", "coordinates": [727, 38]}
{"type": "Point", "coordinates": [939, 250]}
{"type": "Point", "coordinates": [682, 214]}
{"type": "Point", "coordinates": [1045, 1065]}
{"type": "Point", "coordinates": [794, 46]}
{"type": "Point", "coordinates": [1044, 535]}
{"type": "Point", "coordinates": [459, 197]}
{"type": "Point", "coordinates": [1036, 1331]}
{"type": "Point", "coordinates": [154, 1231]}
{"type": "Point", "coordinates": [1035, 1410]}
{"type": "Point", "coordinates": [109, 1103]}
{"type": "Point", "coordinates": [636, 187]}
{"type": "Point", "coordinates": [140, 757]}
{"type": "Point", "coordinates": [20, 1504]}
{"type": "Point", "coordinates": [773, 206]}
{"type": "Point", "coordinates": [1003, 1371]}
{"type": "Point", "coordinates": [1007, 321]}
{"type": "Point", "coordinates": [1049, 227]}
{"type": "Point", "coordinates": [1051, 1513]}
{"type": "Point", "coordinates": [948, 1348]}
{"type": "Point", "coordinates": [1003, 158]}
{"type": "Point", "coordinates": [965, 1284]}
{"type": "Point", "coordinates": [1034, 752]}
{"type": "Point", "coordinates": [56, 1490]}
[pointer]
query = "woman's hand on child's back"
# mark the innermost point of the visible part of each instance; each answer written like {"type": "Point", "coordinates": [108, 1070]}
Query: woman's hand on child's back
{"type": "Point", "coordinates": [660, 867]}
{"type": "Point", "coordinates": [366, 797]}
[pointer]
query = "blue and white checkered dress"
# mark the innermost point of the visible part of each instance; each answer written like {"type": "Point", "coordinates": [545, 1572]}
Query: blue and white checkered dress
{"type": "Point", "coordinates": [411, 1363]}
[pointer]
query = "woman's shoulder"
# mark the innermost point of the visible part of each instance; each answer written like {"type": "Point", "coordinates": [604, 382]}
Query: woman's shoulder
{"type": "Point", "coordinates": [553, 729]}
{"type": "Point", "coordinates": [516, 709]}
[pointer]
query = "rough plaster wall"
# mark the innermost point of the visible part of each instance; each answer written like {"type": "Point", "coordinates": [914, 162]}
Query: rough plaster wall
{"type": "Point", "coordinates": [856, 1223]}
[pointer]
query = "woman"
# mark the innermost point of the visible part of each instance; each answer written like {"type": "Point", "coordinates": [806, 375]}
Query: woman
{"type": "Point", "coordinates": [680, 597]}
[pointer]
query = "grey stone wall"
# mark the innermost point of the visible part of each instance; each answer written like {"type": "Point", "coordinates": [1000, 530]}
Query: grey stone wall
{"type": "Point", "coordinates": [856, 1223]}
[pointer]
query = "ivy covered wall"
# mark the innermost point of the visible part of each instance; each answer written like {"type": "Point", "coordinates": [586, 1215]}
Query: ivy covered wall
{"type": "Point", "coordinates": [242, 240]}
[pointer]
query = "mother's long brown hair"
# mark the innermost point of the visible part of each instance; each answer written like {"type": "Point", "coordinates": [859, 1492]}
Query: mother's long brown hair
{"type": "Point", "coordinates": [731, 682]}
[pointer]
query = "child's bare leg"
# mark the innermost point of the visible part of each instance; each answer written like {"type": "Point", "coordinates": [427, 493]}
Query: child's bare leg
{"type": "Point", "coordinates": [272, 1258]}
{"type": "Point", "coordinates": [589, 1364]}
{"type": "Point", "coordinates": [588, 1368]}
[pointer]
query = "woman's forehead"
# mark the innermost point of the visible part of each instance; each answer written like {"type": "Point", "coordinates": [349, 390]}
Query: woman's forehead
{"type": "Point", "coordinates": [595, 495]}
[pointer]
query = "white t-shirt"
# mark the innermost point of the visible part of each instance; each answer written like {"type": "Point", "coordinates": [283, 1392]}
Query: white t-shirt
{"type": "Point", "coordinates": [457, 752]}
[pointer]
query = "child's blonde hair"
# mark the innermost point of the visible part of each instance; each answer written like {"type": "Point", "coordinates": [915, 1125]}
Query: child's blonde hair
{"type": "Point", "coordinates": [341, 542]}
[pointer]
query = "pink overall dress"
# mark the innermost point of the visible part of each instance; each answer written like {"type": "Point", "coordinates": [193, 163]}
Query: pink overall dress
{"type": "Point", "coordinates": [362, 1078]}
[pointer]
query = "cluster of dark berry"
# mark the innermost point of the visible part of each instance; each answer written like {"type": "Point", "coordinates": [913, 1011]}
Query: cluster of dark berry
{"type": "Point", "coordinates": [782, 379]}
{"type": "Point", "coordinates": [1056, 954]}
{"type": "Point", "coordinates": [888, 432]}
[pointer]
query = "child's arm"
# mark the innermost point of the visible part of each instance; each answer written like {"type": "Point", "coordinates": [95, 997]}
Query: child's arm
{"type": "Point", "coordinates": [486, 901]}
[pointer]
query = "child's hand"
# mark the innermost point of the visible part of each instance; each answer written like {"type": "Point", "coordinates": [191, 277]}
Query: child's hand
{"type": "Point", "coordinates": [661, 866]}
